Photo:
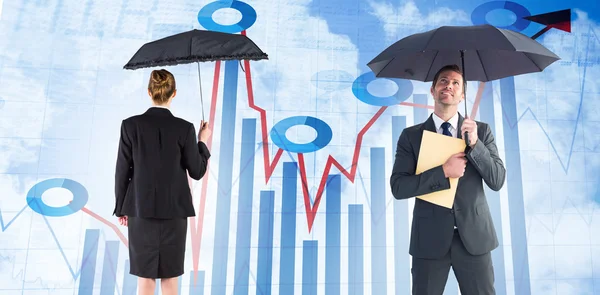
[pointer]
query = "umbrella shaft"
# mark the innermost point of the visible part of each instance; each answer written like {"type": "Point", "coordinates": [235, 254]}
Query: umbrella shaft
{"type": "Point", "coordinates": [200, 84]}
{"type": "Point", "coordinates": [462, 59]}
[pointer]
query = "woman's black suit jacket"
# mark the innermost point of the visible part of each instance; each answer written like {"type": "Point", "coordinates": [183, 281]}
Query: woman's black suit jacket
{"type": "Point", "coordinates": [156, 152]}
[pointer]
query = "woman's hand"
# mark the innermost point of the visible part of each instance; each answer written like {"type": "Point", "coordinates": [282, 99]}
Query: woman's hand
{"type": "Point", "coordinates": [204, 132]}
{"type": "Point", "coordinates": [123, 220]}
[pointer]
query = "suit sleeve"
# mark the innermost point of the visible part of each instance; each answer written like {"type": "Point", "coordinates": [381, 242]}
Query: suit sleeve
{"type": "Point", "coordinates": [124, 169]}
{"type": "Point", "coordinates": [484, 157]}
{"type": "Point", "coordinates": [195, 155]}
{"type": "Point", "coordinates": [404, 183]}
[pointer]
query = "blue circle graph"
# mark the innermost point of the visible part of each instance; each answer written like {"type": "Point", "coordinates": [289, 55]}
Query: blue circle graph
{"type": "Point", "coordinates": [35, 202]}
{"type": "Point", "coordinates": [324, 134]}
{"type": "Point", "coordinates": [359, 88]}
{"type": "Point", "coordinates": [205, 16]}
{"type": "Point", "coordinates": [478, 17]}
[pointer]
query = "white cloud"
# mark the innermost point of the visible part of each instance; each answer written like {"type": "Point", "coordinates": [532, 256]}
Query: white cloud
{"type": "Point", "coordinates": [406, 19]}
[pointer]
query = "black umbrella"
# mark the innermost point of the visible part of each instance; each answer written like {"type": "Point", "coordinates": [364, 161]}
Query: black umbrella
{"type": "Point", "coordinates": [195, 46]}
{"type": "Point", "coordinates": [485, 52]}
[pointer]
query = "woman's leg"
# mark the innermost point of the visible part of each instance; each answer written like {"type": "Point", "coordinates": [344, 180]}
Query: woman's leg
{"type": "Point", "coordinates": [146, 286]}
{"type": "Point", "coordinates": [169, 286]}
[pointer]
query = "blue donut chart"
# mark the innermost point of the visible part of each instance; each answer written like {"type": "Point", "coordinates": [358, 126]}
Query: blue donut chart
{"type": "Point", "coordinates": [478, 16]}
{"type": "Point", "coordinates": [360, 91]}
{"type": "Point", "coordinates": [248, 16]}
{"type": "Point", "coordinates": [324, 134]}
{"type": "Point", "coordinates": [35, 202]}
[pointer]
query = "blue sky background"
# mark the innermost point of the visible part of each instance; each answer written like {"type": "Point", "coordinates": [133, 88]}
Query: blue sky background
{"type": "Point", "coordinates": [63, 94]}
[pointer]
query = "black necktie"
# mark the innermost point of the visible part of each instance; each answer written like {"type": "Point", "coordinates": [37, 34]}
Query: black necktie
{"type": "Point", "coordinates": [446, 129]}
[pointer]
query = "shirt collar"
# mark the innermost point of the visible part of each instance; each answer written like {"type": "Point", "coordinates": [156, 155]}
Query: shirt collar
{"type": "Point", "coordinates": [438, 121]}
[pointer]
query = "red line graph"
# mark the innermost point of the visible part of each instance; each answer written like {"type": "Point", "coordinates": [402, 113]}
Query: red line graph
{"type": "Point", "coordinates": [269, 166]}
{"type": "Point", "coordinates": [311, 212]}
{"type": "Point", "coordinates": [110, 224]}
{"type": "Point", "coordinates": [473, 112]}
{"type": "Point", "coordinates": [410, 104]}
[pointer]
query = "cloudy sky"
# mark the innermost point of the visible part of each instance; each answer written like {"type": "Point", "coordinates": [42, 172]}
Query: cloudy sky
{"type": "Point", "coordinates": [62, 99]}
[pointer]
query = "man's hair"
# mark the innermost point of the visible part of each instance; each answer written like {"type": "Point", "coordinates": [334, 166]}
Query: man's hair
{"type": "Point", "coordinates": [454, 68]}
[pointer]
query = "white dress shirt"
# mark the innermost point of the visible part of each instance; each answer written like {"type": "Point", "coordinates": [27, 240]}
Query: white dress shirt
{"type": "Point", "coordinates": [453, 124]}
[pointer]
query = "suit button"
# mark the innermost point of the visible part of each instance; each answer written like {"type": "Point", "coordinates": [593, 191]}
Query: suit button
{"type": "Point", "coordinates": [451, 211]}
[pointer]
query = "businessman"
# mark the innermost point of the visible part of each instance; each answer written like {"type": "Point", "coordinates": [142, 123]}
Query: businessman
{"type": "Point", "coordinates": [464, 236]}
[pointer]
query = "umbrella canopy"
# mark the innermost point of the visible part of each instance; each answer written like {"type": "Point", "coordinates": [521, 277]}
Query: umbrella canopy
{"type": "Point", "coordinates": [195, 46]}
{"type": "Point", "coordinates": [485, 52]}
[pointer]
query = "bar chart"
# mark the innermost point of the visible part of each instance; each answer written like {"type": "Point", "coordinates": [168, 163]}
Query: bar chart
{"type": "Point", "coordinates": [108, 278]}
{"type": "Point", "coordinates": [297, 197]}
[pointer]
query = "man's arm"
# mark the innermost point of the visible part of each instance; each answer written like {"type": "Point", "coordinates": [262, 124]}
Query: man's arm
{"type": "Point", "coordinates": [405, 184]}
{"type": "Point", "coordinates": [484, 157]}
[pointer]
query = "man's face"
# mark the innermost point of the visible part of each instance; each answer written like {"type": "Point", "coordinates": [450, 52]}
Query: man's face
{"type": "Point", "coordinates": [448, 89]}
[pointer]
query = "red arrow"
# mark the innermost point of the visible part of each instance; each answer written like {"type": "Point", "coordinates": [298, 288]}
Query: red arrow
{"type": "Point", "coordinates": [560, 20]}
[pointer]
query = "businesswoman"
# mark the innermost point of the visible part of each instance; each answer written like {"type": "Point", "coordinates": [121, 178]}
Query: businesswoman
{"type": "Point", "coordinates": [156, 153]}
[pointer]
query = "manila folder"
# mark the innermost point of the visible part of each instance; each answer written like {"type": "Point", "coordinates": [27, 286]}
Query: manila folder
{"type": "Point", "coordinates": [435, 150]}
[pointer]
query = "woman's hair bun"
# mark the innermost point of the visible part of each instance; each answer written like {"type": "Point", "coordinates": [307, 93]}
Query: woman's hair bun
{"type": "Point", "coordinates": [159, 77]}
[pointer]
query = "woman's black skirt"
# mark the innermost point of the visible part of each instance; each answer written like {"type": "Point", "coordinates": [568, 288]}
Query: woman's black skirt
{"type": "Point", "coordinates": [156, 247]}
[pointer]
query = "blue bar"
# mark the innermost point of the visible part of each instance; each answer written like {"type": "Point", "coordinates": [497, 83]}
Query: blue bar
{"type": "Point", "coordinates": [514, 183]}
{"type": "Point", "coordinates": [333, 226]}
{"type": "Point", "coordinates": [197, 287]}
{"type": "Point", "coordinates": [310, 256]}
{"type": "Point", "coordinates": [157, 288]}
{"type": "Point", "coordinates": [402, 276]}
{"type": "Point", "coordinates": [288, 228]}
{"type": "Point", "coordinates": [109, 268]}
{"type": "Point", "coordinates": [265, 243]}
{"type": "Point", "coordinates": [421, 115]}
{"type": "Point", "coordinates": [88, 262]}
{"type": "Point", "coordinates": [179, 281]}
{"type": "Point", "coordinates": [378, 230]}
{"type": "Point", "coordinates": [244, 215]}
{"type": "Point", "coordinates": [487, 115]}
{"type": "Point", "coordinates": [221, 245]}
{"type": "Point", "coordinates": [356, 269]}
{"type": "Point", "coordinates": [129, 281]}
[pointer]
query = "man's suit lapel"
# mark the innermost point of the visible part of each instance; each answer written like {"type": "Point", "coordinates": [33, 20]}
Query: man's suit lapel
{"type": "Point", "coordinates": [429, 125]}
